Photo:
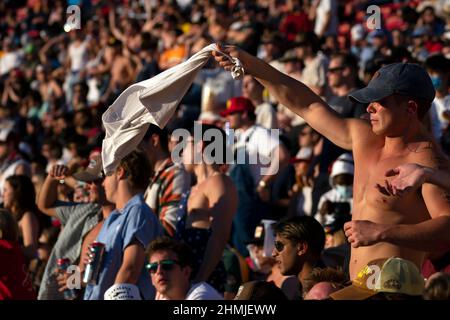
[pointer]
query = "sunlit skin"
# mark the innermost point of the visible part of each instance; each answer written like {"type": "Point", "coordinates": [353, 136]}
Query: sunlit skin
{"type": "Point", "coordinates": [212, 204]}
{"type": "Point", "coordinates": [170, 284]}
{"type": "Point", "coordinates": [290, 260]}
{"type": "Point", "coordinates": [383, 225]}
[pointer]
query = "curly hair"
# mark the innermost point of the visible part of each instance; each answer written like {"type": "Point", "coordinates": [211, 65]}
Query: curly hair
{"type": "Point", "coordinates": [438, 287]}
{"type": "Point", "coordinates": [336, 277]}
{"type": "Point", "coordinates": [137, 168]}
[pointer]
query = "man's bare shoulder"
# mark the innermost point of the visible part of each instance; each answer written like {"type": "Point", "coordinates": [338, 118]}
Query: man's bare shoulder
{"type": "Point", "coordinates": [362, 135]}
{"type": "Point", "coordinates": [220, 181]}
{"type": "Point", "coordinates": [428, 153]}
{"type": "Point", "coordinates": [219, 184]}
{"type": "Point", "coordinates": [121, 61]}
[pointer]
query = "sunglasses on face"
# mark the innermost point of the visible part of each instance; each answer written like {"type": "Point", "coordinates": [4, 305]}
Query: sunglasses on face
{"type": "Point", "coordinates": [333, 70]}
{"type": "Point", "coordinates": [166, 265]}
{"type": "Point", "coordinates": [279, 246]}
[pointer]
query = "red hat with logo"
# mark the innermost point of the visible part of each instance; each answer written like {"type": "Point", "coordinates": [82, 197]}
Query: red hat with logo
{"type": "Point", "coordinates": [238, 104]}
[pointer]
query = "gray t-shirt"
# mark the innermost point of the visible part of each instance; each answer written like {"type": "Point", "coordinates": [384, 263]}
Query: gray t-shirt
{"type": "Point", "coordinates": [77, 220]}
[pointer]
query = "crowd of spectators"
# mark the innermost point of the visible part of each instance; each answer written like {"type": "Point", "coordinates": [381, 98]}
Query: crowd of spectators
{"type": "Point", "coordinates": [56, 80]}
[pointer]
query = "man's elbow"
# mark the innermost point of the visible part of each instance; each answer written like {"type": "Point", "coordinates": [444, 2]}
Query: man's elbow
{"type": "Point", "coordinates": [45, 208]}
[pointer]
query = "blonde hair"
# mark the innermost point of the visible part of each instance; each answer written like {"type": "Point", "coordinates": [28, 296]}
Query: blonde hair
{"type": "Point", "coordinates": [339, 238]}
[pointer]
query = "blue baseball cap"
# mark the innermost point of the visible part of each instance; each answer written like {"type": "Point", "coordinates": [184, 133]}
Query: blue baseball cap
{"type": "Point", "coordinates": [397, 78]}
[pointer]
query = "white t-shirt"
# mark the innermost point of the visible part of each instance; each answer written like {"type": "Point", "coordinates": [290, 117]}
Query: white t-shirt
{"type": "Point", "coordinates": [305, 201]}
{"type": "Point", "coordinates": [325, 7]}
{"type": "Point", "coordinates": [438, 122]}
{"type": "Point", "coordinates": [78, 56]}
{"type": "Point", "coordinates": [266, 116]}
{"type": "Point", "coordinates": [259, 144]}
{"type": "Point", "coordinates": [314, 73]}
{"type": "Point", "coordinates": [203, 291]}
{"type": "Point", "coordinates": [9, 61]}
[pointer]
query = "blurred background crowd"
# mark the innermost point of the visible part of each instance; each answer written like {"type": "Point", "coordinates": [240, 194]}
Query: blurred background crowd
{"type": "Point", "coordinates": [56, 82]}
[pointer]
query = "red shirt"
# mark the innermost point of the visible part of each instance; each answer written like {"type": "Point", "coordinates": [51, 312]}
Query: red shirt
{"type": "Point", "coordinates": [14, 283]}
{"type": "Point", "coordinates": [442, 265]}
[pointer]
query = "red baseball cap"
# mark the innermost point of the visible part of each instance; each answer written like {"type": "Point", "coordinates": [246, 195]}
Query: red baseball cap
{"type": "Point", "coordinates": [238, 104]}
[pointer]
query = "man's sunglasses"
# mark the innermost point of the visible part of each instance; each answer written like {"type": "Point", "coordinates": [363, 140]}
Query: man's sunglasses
{"type": "Point", "coordinates": [279, 246]}
{"type": "Point", "coordinates": [166, 265]}
{"type": "Point", "coordinates": [336, 69]}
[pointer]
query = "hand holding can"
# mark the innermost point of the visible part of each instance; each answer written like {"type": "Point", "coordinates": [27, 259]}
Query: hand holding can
{"type": "Point", "coordinates": [95, 252]}
{"type": "Point", "coordinates": [63, 264]}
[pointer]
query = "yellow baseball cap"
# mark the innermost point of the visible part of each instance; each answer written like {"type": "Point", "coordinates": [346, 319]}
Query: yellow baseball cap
{"type": "Point", "coordinates": [390, 275]}
{"type": "Point", "coordinates": [400, 276]}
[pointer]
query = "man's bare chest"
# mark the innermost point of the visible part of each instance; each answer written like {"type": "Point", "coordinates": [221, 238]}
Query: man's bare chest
{"type": "Point", "coordinates": [372, 187]}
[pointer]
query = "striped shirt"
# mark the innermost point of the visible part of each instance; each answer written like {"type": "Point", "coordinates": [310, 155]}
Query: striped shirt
{"type": "Point", "coordinates": [164, 193]}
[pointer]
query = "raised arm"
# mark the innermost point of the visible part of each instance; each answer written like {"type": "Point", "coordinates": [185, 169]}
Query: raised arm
{"type": "Point", "coordinates": [49, 190]}
{"type": "Point", "coordinates": [112, 24]}
{"type": "Point", "coordinates": [299, 98]}
{"type": "Point", "coordinates": [43, 51]}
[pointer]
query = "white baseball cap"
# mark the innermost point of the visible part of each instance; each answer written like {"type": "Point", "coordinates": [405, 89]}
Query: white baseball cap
{"type": "Point", "coordinates": [343, 165]}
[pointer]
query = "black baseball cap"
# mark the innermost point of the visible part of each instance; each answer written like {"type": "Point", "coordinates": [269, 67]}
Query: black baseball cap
{"type": "Point", "coordinates": [258, 238]}
{"type": "Point", "coordinates": [397, 78]}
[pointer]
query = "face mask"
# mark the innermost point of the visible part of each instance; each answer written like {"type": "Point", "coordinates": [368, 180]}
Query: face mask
{"type": "Point", "coordinates": [344, 191]}
{"type": "Point", "coordinates": [437, 82]}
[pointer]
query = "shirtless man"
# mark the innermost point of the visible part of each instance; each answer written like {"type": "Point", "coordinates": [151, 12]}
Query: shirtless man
{"type": "Point", "coordinates": [207, 216]}
{"type": "Point", "coordinates": [399, 96]}
{"type": "Point", "coordinates": [122, 72]}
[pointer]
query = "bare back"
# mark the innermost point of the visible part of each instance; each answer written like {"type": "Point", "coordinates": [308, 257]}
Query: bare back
{"type": "Point", "coordinates": [121, 72]}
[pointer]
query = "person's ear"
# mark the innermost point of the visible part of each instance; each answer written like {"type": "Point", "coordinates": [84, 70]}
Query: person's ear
{"type": "Point", "coordinates": [412, 107]}
{"type": "Point", "coordinates": [187, 270]}
{"type": "Point", "coordinates": [346, 71]}
{"type": "Point", "coordinates": [302, 248]}
{"type": "Point", "coordinates": [156, 140]}
{"type": "Point", "coordinates": [121, 173]}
